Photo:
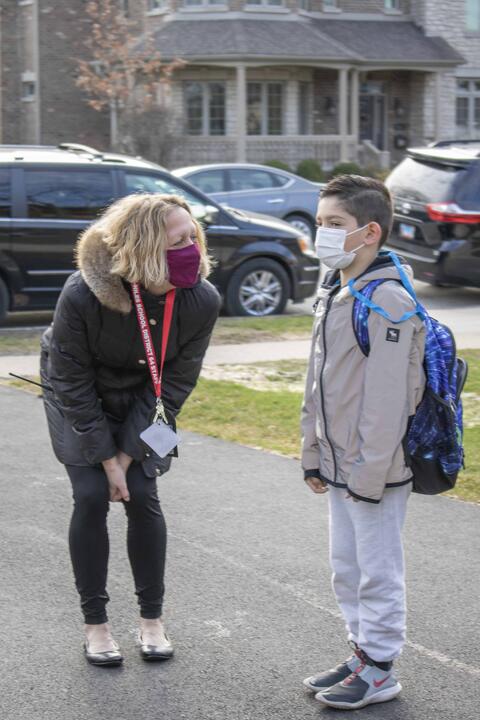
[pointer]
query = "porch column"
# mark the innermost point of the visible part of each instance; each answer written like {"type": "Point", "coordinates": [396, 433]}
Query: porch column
{"type": "Point", "coordinates": [354, 106]}
{"type": "Point", "coordinates": [343, 113]}
{"type": "Point", "coordinates": [241, 113]}
{"type": "Point", "coordinates": [438, 106]}
{"type": "Point", "coordinates": [36, 61]}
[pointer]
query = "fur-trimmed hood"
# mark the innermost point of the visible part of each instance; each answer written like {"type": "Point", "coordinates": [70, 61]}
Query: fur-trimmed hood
{"type": "Point", "coordinates": [95, 263]}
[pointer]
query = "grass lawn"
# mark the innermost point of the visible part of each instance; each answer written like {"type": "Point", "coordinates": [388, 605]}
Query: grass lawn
{"type": "Point", "coordinates": [268, 418]}
{"type": "Point", "coordinates": [20, 342]}
{"type": "Point", "coordinates": [260, 408]}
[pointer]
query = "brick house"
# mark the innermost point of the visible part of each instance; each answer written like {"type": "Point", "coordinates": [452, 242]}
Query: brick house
{"type": "Point", "coordinates": [286, 79]}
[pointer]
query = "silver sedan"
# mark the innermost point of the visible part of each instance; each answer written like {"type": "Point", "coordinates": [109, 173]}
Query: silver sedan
{"type": "Point", "coordinates": [259, 188]}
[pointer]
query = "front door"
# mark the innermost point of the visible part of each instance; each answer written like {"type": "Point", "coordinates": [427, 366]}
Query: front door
{"type": "Point", "coordinates": [373, 114]}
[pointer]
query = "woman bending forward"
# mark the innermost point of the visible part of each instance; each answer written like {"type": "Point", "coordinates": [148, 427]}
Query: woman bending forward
{"type": "Point", "coordinates": [142, 269]}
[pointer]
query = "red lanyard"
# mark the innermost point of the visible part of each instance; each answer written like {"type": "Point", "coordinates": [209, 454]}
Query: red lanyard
{"type": "Point", "coordinates": [155, 371]}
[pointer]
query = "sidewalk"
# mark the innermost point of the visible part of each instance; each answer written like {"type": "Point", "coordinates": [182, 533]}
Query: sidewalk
{"type": "Point", "coordinates": [216, 355]}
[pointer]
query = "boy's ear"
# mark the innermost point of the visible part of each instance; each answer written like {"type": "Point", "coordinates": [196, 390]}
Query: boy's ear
{"type": "Point", "coordinates": [374, 234]}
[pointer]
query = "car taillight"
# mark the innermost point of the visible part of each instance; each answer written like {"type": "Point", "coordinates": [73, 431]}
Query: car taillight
{"type": "Point", "coordinates": [451, 213]}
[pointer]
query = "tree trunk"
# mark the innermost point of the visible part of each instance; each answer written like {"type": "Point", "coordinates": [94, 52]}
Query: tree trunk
{"type": "Point", "coordinates": [113, 124]}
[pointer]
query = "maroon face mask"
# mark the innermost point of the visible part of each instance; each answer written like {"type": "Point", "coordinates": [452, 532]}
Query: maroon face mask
{"type": "Point", "coordinates": [183, 266]}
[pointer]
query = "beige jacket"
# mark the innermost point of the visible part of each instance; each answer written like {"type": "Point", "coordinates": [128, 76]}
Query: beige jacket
{"type": "Point", "coordinates": [356, 408]}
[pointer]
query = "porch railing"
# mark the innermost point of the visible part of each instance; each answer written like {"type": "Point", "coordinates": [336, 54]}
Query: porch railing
{"type": "Point", "coordinates": [326, 149]}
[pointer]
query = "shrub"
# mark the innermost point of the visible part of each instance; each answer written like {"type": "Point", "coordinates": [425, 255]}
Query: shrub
{"type": "Point", "coordinates": [346, 168]}
{"type": "Point", "coordinates": [279, 164]}
{"type": "Point", "coordinates": [378, 173]}
{"type": "Point", "coordinates": [310, 170]}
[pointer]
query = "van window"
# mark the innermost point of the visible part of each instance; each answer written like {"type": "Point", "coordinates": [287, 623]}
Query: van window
{"type": "Point", "coordinates": [467, 188]}
{"type": "Point", "coordinates": [67, 194]}
{"type": "Point", "coordinates": [144, 183]}
{"type": "Point", "coordinates": [5, 194]}
{"type": "Point", "coordinates": [423, 182]}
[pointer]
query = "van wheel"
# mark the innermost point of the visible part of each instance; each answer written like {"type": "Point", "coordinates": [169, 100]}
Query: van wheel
{"type": "Point", "coordinates": [4, 300]}
{"type": "Point", "coordinates": [257, 288]}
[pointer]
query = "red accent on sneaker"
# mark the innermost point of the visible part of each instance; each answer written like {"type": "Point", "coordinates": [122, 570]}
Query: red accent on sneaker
{"type": "Point", "coordinates": [379, 683]}
{"type": "Point", "coordinates": [353, 675]}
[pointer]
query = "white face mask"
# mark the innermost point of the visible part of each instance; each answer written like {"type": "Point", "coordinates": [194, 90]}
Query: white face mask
{"type": "Point", "coordinates": [330, 244]}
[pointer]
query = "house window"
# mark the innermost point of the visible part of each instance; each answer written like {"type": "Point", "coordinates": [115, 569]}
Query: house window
{"type": "Point", "coordinates": [265, 108]}
{"type": "Point", "coordinates": [205, 108]}
{"type": "Point", "coordinates": [200, 3]}
{"type": "Point", "coordinates": [28, 86]}
{"type": "Point", "coordinates": [391, 4]}
{"type": "Point", "coordinates": [276, 3]}
{"type": "Point", "coordinates": [472, 15]}
{"type": "Point", "coordinates": [329, 4]}
{"type": "Point", "coordinates": [28, 90]}
{"type": "Point", "coordinates": [468, 108]}
{"type": "Point", "coordinates": [154, 5]}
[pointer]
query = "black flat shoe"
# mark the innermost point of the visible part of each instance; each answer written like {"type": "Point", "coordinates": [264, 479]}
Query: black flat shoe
{"type": "Point", "coordinates": [162, 651]}
{"type": "Point", "coordinates": [109, 658]}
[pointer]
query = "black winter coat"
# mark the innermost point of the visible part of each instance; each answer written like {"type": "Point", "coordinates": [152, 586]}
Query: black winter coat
{"type": "Point", "coordinates": [94, 360]}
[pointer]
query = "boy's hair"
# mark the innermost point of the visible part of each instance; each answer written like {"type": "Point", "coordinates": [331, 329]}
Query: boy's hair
{"type": "Point", "coordinates": [365, 198]}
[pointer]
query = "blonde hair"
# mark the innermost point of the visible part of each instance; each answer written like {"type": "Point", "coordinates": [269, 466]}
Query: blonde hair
{"type": "Point", "coordinates": [134, 231]}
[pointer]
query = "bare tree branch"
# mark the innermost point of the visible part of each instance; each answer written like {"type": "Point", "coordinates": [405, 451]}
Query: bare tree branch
{"type": "Point", "coordinates": [120, 73]}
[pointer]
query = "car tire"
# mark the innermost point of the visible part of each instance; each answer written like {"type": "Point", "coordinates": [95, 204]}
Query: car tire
{"type": "Point", "coordinates": [257, 288]}
{"type": "Point", "coordinates": [302, 223]}
{"type": "Point", "coordinates": [4, 300]}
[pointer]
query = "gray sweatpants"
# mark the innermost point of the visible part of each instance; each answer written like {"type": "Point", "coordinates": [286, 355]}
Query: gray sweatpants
{"type": "Point", "coordinates": [366, 556]}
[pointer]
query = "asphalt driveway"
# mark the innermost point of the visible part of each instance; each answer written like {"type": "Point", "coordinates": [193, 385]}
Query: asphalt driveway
{"type": "Point", "coordinates": [249, 604]}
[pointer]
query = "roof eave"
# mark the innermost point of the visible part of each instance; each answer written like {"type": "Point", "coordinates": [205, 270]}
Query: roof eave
{"type": "Point", "coordinates": [231, 59]}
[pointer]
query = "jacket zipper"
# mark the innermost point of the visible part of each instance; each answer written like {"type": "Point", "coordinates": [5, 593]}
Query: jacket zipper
{"type": "Point", "coordinates": [324, 335]}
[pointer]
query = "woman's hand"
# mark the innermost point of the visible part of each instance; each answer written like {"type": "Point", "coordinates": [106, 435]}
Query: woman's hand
{"type": "Point", "coordinates": [117, 482]}
{"type": "Point", "coordinates": [124, 460]}
{"type": "Point", "coordinates": [318, 486]}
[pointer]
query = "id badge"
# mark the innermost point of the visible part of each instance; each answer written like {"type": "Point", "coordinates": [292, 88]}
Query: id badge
{"type": "Point", "coordinates": [161, 438]}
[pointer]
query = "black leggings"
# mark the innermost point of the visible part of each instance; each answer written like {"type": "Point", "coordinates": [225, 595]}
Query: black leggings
{"type": "Point", "coordinates": [89, 546]}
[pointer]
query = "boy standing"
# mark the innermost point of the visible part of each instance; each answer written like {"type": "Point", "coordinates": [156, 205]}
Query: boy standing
{"type": "Point", "coordinates": [354, 420]}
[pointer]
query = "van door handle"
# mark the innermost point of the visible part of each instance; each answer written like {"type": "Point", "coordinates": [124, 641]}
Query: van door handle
{"type": "Point", "coordinates": [275, 201]}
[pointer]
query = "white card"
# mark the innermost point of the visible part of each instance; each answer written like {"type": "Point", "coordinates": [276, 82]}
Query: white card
{"type": "Point", "coordinates": [161, 438]}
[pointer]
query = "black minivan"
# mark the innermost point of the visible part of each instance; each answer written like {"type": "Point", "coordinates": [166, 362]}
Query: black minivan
{"type": "Point", "coordinates": [48, 195]}
{"type": "Point", "coordinates": [436, 192]}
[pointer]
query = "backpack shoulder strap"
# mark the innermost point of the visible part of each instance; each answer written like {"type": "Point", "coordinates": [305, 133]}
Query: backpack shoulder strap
{"type": "Point", "coordinates": [361, 311]}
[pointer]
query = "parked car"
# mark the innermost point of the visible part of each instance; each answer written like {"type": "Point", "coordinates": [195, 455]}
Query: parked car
{"type": "Point", "coordinates": [49, 195]}
{"type": "Point", "coordinates": [259, 188]}
{"type": "Point", "coordinates": [436, 192]}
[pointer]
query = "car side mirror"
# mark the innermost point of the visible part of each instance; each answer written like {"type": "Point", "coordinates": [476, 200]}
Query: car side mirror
{"type": "Point", "coordinates": [206, 214]}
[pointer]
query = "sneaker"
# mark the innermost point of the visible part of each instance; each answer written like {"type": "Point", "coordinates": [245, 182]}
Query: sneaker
{"type": "Point", "coordinates": [331, 677]}
{"type": "Point", "coordinates": [368, 684]}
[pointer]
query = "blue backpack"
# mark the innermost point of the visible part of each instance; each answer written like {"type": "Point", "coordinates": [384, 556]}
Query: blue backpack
{"type": "Point", "coordinates": [433, 443]}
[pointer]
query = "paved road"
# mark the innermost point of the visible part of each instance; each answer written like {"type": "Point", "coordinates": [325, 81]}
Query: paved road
{"type": "Point", "coordinates": [249, 603]}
